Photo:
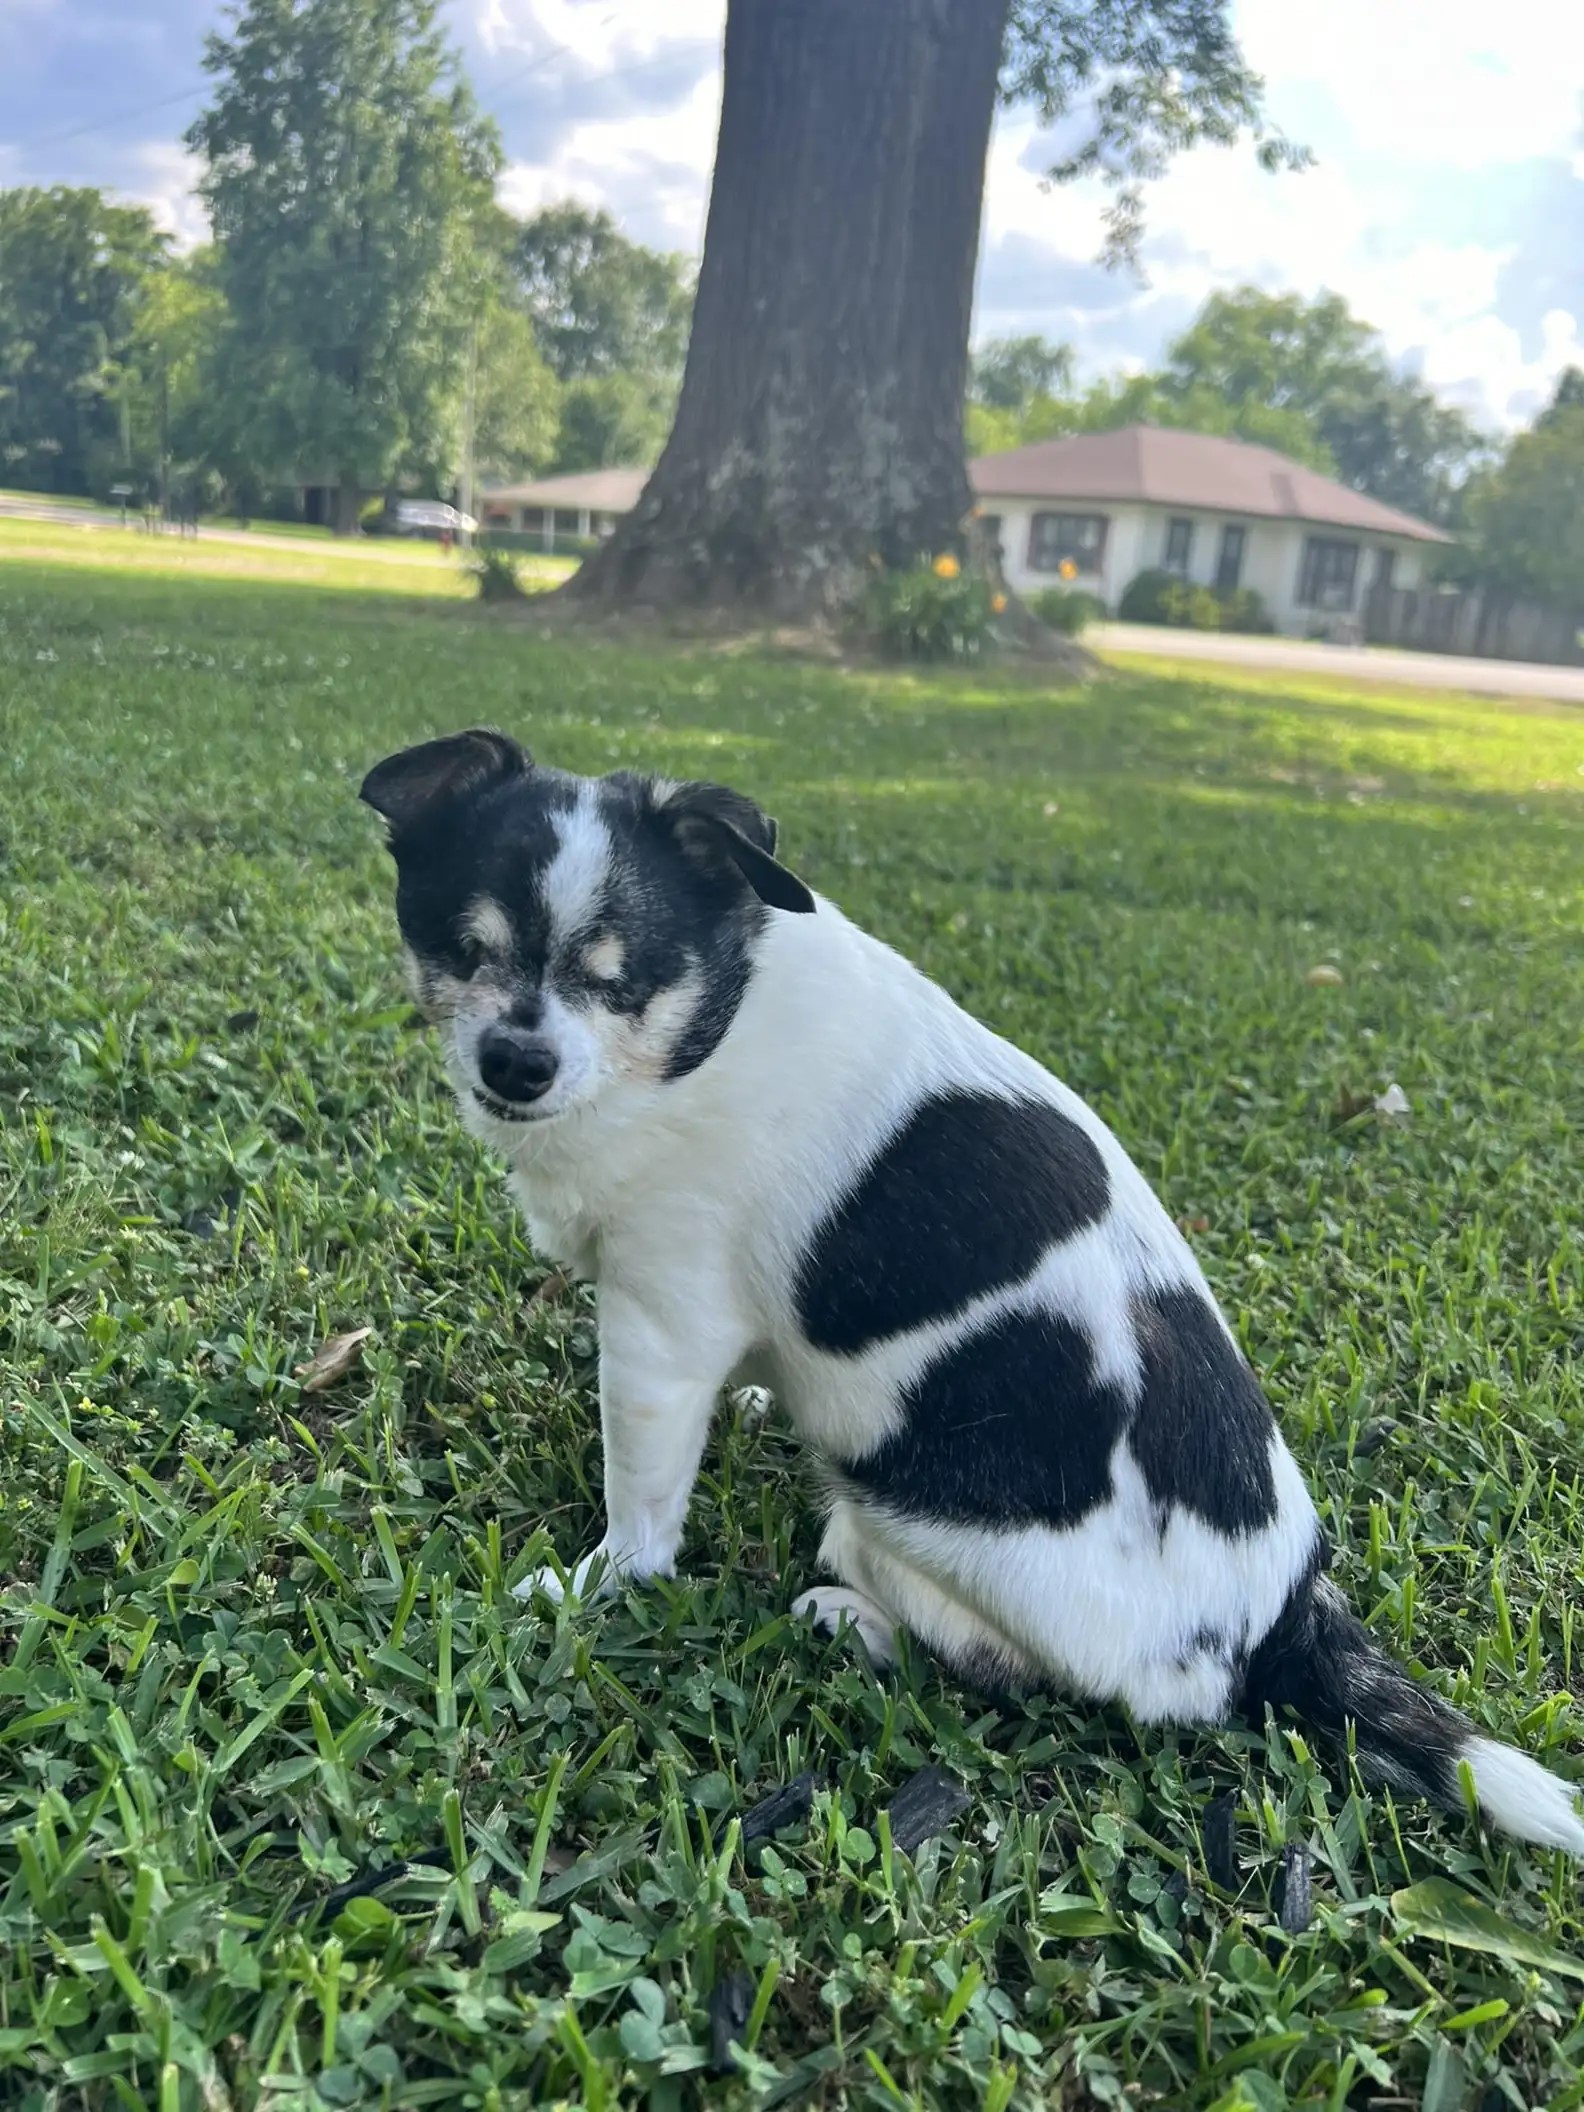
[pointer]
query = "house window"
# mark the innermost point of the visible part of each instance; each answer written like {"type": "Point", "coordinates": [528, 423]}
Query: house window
{"type": "Point", "coordinates": [568, 521]}
{"type": "Point", "coordinates": [1385, 571]}
{"type": "Point", "coordinates": [1179, 546]}
{"type": "Point", "coordinates": [1056, 539]}
{"type": "Point", "coordinates": [1229, 565]}
{"type": "Point", "coordinates": [1329, 573]}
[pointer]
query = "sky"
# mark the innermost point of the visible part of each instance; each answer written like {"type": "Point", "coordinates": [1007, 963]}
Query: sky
{"type": "Point", "coordinates": [1446, 204]}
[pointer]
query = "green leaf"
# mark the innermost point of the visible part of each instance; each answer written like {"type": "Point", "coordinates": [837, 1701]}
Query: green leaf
{"type": "Point", "coordinates": [1078, 1921]}
{"type": "Point", "coordinates": [1442, 1912]}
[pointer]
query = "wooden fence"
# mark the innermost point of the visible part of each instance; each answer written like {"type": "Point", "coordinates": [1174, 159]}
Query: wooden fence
{"type": "Point", "coordinates": [1478, 624]}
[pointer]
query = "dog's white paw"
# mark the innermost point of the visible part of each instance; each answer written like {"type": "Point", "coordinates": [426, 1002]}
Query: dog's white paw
{"type": "Point", "coordinates": [594, 1578]}
{"type": "Point", "coordinates": [833, 1604]}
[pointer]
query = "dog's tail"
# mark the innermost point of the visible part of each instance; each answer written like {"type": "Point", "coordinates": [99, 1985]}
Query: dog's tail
{"type": "Point", "coordinates": [1321, 1662]}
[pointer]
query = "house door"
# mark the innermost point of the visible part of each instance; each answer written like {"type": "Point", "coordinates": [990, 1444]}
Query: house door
{"type": "Point", "coordinates": [1229, 565]}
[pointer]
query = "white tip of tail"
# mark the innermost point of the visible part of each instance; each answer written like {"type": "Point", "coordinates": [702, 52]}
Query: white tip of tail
{"type": "Point", "coordinates": [1520, 1796]}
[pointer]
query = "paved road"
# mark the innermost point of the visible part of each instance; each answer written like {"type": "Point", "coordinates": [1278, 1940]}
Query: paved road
{"type": "Point", "coordinates": [1359, 664]}
{"type": "Point", "coordinates": [90, 518]}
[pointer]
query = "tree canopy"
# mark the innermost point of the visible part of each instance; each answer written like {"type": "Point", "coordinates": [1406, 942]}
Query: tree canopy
{"type": "Point", "coordinates": [1305, 377]}
{"type": "Point", "coordinates": [345, 168]}
{"type": "Point", "coordinates": [600, 303]}
{"type": "Point", "coordinates": [1145, 81]}
{"type": "Point", "coordinates": [1011, 373]}
{"type": "Point", "coordinates": [1386, 433]}
{"type": "Point", "coordinates": [73, 270]}
{"type": "Point", "coordinates": [1526, 515]}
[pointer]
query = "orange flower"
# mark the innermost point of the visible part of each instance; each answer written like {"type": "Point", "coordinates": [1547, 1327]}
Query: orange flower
{"type": "Point", "coordinates": [1067, 569]}
{"type": "Point", "coordinates": [998, 604]}
{"type": "Point", "coordinates": [946, 566]}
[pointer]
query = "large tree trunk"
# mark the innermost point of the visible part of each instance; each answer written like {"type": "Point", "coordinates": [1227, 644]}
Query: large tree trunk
{"type": "Point", "coordinates": [820, 420]}
{"type": "Point", "coordinates": [348, 504]}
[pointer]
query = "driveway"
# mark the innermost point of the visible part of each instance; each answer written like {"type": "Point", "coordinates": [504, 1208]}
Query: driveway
{"type": "Point", "coordinates": [1348, 663]}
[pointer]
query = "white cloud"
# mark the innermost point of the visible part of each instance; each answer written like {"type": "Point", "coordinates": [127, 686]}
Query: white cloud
{"type": "Point", "coordinates": [591, 39]}
{"type": "Point", "coordinates": [1481, 364]}
{"type": "Point", "coordinates": [1216, 221]}
{"type": "Point", "coordinates": [651, 168]}
{"type": "Point", "coordinates": [1449, 81]}
{"type": "Point", "coordinates": [163, 178]}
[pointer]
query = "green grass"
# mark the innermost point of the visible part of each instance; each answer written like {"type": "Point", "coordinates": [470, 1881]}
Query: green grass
{"type": "Point", "coordinates": [309, 559]}
{"type": "Point", "coordinates": [259, 1643]}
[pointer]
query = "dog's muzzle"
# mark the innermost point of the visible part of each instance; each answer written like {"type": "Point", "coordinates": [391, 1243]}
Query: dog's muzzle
{"type": "Point", "coordinates": [517, 1068]}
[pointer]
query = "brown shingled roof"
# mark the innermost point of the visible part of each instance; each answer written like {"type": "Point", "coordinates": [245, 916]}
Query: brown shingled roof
{"type": "Point", "coordinates": [1157, 466]}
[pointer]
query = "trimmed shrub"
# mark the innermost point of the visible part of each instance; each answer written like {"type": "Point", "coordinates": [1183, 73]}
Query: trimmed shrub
{"type": "Point", "coordinates": [1067, 609]}
{"type": "Point", "coordinates": [1161, 597]}
{"type": "Point", "coordinates": [1245, 611]}
{"type": "Point", "coordinates": [1143, 599]}
{"type": "Point", "coordinates": [1191, 608]}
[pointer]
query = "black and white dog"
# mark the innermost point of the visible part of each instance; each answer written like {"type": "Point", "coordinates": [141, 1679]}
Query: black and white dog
{"type": "Point", "coordinates": [784, 1154]}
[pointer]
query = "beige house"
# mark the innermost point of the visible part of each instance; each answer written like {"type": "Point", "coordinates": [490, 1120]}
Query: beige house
{"type": "Point", "coordinates": [572, 508]}
{"type": "Point", "coordinates": [1220, 513]}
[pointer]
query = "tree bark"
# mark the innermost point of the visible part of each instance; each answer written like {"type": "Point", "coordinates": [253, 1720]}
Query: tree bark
{"type": "Point", "coordinates": [820, 420]}
{"type": "Point", "coordinates": [348, 503]}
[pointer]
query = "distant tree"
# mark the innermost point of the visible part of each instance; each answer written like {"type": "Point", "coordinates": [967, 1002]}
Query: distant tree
{"type": "Point", "coordinates": [820, 417]}
{"type": "Point", "coordinates": [73, 271]}
{"type": "Point", "coordinates": [1525, 517]}
{"type": "Point", "coordinates": [177, 423]}
{"type": "Point", "coordinates": [1010, 373]}
{"type": "Point", "coordinates": [600, 303]}
{"type": "Point", "coordinates": [346, 170]}
{"type": "Point", "coordinates": [517, 401]}
{"type": "Point", "coordinates": [613, 421]}
{"type": "Point", "coordinates": [1314, 360]}
{"type": "Point", "coordinates": [1147, 399]}
{"type": "Point", "coordinates": [1567, 396]}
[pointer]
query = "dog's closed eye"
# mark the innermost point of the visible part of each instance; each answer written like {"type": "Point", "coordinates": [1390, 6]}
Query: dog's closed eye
{"type": "Point", "coordinates": [485, 930]}
{"type": "Point", "coordinates": [604, 960]}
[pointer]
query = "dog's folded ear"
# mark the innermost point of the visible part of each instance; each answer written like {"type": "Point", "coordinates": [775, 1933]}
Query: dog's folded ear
{"type": "Point", "coordinates": [717, 827]}
{"type": "Point", "coordinates": [421, 781]}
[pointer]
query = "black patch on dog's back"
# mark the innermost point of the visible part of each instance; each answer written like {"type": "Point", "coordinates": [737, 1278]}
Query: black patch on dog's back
{"type": "Point", "coordinates": [1008, 1427]}
{"type": "Point", "coordinates": [964, 1197]}
{"type": "Point", "coordinates": [1202, 1429]}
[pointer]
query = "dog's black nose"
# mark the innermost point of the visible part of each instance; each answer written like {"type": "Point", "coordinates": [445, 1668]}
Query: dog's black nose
{"type": "Point", "coordinates": [514, 1064]}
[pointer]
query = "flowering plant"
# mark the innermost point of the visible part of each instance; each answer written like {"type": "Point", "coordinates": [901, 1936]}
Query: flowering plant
{"type": "Point", "coordinates": [932, 610]}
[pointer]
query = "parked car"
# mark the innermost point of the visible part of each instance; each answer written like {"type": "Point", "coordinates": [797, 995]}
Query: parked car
{"type": "Point", "coordinates": [426, 517]}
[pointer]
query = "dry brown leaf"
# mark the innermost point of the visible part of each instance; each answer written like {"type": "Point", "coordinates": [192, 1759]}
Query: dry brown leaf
{"type": "Point", "coordinates": [1193, 1224]}
{"type": "Point", "coordinates": [333, 1359]}
{"type": "Point", "coordinates": [1323, 976]}
{"type": "Point", "coordinates": [550, 1289]}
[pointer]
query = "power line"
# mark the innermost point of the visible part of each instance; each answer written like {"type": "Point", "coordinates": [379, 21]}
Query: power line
{"type": "Point", "coordinates": [106, 124]}
{"type": "Point", "coordinates": [623, 73]}
{"type": "Point", "coordinates": [490, 100]}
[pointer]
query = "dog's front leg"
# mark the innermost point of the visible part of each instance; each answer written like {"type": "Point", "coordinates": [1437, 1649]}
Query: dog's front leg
{"type": "Point", "coordinates": [658, 1391]}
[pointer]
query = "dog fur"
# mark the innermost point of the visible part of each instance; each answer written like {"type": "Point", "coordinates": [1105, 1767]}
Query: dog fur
{"type": "Point", "coordinates": [783, 1154]}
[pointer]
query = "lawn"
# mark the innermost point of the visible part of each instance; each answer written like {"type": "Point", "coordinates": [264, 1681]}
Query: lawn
{"type": "Point", "coordinates": [258, 1643]}
{"type": "Point", "coordinates": [307, 559]}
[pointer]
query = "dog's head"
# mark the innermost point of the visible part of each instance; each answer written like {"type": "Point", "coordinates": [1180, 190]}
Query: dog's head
{"type": "Point", "coordinates": [572, 933]}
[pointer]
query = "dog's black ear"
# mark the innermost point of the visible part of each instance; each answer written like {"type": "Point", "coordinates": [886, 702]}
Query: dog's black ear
{"type": "Point", "coordinates": [713, 824]}
{"type": "Point", "coordinates": [408, 787]}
